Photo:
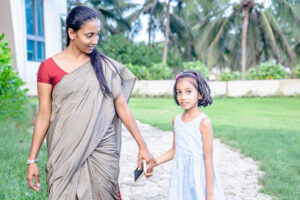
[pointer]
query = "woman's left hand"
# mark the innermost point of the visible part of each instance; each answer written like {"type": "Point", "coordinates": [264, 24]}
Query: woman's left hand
{"type": "Point", "coordinates": [144, 154]}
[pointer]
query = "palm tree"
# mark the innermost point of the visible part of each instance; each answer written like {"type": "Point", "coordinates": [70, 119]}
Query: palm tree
{"type": "Point", "coordinates": [167, 30]}
{"type": "Point", "coordinates": [238, 27]}
{"type": "Point", "coordinates": [111, 13]}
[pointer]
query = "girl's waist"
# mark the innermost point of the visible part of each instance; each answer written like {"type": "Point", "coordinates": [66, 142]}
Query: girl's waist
{"type": "Point", "coordinates": [188, 154]}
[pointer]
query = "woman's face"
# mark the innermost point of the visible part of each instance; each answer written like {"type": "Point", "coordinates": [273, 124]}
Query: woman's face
{"type": "Point", "coordinates": [86, 38]}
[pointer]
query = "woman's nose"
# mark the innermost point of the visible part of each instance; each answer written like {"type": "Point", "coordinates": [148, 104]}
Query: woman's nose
{"type": "Point", "coordinates": [95, 40]}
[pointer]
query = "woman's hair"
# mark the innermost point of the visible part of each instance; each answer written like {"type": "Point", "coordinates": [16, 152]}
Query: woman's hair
{"type": "Point", "coordinates": [75, 19]}
{"type": "Point", "coordinates": [199, 83]}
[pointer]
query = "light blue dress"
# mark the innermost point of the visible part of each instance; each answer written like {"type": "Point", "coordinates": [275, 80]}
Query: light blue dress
{"type": "Point", "coordinates": [187, 181]}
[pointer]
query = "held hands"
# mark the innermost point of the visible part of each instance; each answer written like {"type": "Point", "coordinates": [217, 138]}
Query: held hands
{"type": "Point", "coordinates": [33, 171]}
{"type": "Point", "coordinates": [144, 154]}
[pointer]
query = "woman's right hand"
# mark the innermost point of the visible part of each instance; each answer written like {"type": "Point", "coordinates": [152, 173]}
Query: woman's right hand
{"type": "Point", "coordinates": [33, 172]}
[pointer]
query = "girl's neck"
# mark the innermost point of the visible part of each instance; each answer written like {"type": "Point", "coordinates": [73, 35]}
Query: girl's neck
{"type": "Point", "coordinates": [191, 113]}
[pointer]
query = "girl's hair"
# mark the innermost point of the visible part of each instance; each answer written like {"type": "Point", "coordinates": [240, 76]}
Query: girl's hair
{"type": "Point", "coordinates": [199, 83]}
{"type": "Point", "coordinates": [75, 19]}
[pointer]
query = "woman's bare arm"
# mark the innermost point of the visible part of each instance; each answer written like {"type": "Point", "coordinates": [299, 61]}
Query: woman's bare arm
{"type": "Point", "coordinates": [128, 120]}
{"type": "Point", "coordinates": [39, 133]}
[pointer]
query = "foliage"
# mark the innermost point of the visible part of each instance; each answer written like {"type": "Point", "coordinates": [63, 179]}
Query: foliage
{"type": "Point", "coordinates": [125, 51]}
{"type": "Point", "coordinates": [296, 71]}
{"type": "Point", "coordinates": [160, 71]}
{"type": "Point", "coordinates": [197, 66]}
{"type": "Point", "coordinates": [111, 14]}
{"type": "Point", "coordinates": [141, 72]}
{"type": "Point", "coordinates": [14, 149]}
{"type": "Point", "coordinates": [268, 71]}
{"type": "Point", "coordinates": [213, 30]}
{"type": "Point", "coordinates": [13, 99]}
{"type": "Point", "coordinates": [230, 76]}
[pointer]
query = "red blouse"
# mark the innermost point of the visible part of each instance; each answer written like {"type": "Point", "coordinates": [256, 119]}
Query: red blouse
{"type": "Point", "coordinates": [50, 73]}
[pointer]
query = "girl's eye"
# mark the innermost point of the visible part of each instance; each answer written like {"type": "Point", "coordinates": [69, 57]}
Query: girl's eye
{"type": "Point", "coordinates": [178, 92]}
{"type": "Point", "coordinates": [189, 91]}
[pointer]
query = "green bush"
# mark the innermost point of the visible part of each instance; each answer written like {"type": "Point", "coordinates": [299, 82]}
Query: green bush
{"type": "Point", "coordinates": [126, 51]}
{"type": "Point", "coordinates": [197, 66]}
{"type": "Point", "coordinates": [267, 71]}
{"type": "Point", "coordinates": [230, 76]}
{"type": "Point", "coordinates": [160, 71]}
{"type": "Point", "coordinates": [13, 99]}
{"type": "Point", "coordinates": [296, 71]}
{"type": "Point", "coordinates": [141, 72]}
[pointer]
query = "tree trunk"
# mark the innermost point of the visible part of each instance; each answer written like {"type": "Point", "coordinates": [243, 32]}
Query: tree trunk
{"type": "Point", "coordinates": [244, 41]}
{"type": "Point", "coordinates": [167, 30]}
{"type": "Point", "coordinates": [149, 30]}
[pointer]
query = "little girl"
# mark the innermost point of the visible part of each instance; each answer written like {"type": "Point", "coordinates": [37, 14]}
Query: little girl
{"type": "Point", "coordinates": [192, 175]}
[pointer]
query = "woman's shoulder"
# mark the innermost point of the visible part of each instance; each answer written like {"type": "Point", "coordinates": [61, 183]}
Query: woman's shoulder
{"type": "Point", "coordinates": [112, 64]}
{"type": "Point", "coordinates": [47, 62]}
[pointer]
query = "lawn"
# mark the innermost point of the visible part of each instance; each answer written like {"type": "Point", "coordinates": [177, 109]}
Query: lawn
{"type": "Point", "coordinates": [14, 150]}
{"type": "Point", "coordinates": [266, 129]}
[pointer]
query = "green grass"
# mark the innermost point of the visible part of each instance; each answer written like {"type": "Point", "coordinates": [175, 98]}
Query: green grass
{"type": "Point", "coordinates": [266, 129]}
{"type": "Point", "coordinates": [14, 150]}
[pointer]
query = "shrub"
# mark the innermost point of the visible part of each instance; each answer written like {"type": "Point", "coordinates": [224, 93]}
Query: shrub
{"type": "Point", "coordinates": [197, 66]}
{"type": "Point", "coordinates": [296, 71]}
{"type": "Point", "coordinates": [160, 71]}
{"type": "Point", "coordinates": [267, 70]}
{"type": "Point", "coordinates": [13, 99]}
{"type": "Point", "coordinates": [230, 76]}
{"type": "Point", "coordinates": [125, 51]}
{"type": "Point", "coordinates": [141, 72]}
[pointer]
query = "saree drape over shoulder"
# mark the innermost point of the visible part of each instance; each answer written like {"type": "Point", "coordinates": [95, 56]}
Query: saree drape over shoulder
{"type": "Point", "coordinates": [84, 137]}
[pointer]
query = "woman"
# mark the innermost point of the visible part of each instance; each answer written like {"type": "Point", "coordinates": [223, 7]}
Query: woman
{"type": "Point", "coordinates": [82, 98]}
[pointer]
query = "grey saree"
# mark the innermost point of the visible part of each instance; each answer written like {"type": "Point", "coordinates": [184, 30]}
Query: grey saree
{"type": "Point", "coordinates": [84, 138]}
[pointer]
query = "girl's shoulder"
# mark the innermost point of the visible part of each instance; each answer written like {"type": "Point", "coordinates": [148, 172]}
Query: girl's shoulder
{"type": "Point", "coordinates": [177, 117]}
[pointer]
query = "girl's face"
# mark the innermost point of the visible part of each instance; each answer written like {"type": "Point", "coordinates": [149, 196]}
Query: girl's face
{"type": "Point", "coordinates": [86, 38]}
{"type": "Point", "coordinates": [187, 94]}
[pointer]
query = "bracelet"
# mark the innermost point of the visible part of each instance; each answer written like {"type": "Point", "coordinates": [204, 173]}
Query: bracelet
{"type": "Point", "coordinates": [28, 162]}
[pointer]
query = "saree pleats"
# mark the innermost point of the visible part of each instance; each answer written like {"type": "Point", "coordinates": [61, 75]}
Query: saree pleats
{"type": "Point", "coordinates": [84, 137]}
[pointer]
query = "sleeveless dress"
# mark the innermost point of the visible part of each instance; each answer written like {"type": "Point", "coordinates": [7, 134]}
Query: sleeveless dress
{"type": "Point", "coordinates": [187, 180]}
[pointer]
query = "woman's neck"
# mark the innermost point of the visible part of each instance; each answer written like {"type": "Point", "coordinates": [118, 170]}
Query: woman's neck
{"type": "Point", "coordinates": [74, 53]}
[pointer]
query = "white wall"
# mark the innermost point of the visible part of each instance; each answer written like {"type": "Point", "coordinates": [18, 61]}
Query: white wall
{"type": "Point", "coordinates": [19, 29]}
{"type": "Point", "coordinates": [287, 87]}
{"type": "Point", "coordinates": [53, 9]}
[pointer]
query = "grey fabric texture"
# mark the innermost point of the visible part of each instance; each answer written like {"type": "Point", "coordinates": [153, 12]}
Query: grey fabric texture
{"type": "Point", "coordinates": [84, 136]}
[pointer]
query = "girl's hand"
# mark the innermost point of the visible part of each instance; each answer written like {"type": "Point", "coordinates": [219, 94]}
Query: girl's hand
{"type": "Point", "coordinates": [210, 197]}
{"type": "Point", "coordinates": [148, 175]}
{"type": "Point", "coordinates": [144, 154]}
{"type": "Point", "coordinates": [33, 171]}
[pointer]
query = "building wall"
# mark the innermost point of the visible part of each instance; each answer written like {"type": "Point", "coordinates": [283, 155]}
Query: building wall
{"type": "Point", "coordinates": [6, 24]}
{"type": "Point", "coordinates": [53, 11]}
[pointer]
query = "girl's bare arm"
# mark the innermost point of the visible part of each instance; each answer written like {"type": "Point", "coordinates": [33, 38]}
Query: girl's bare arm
{"type": "Point", "coordinates": [39, 133]}
{"type": "Point", "coordinates": [207, 135]}
{"type": "Point", "coordinates": [169, 155]}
